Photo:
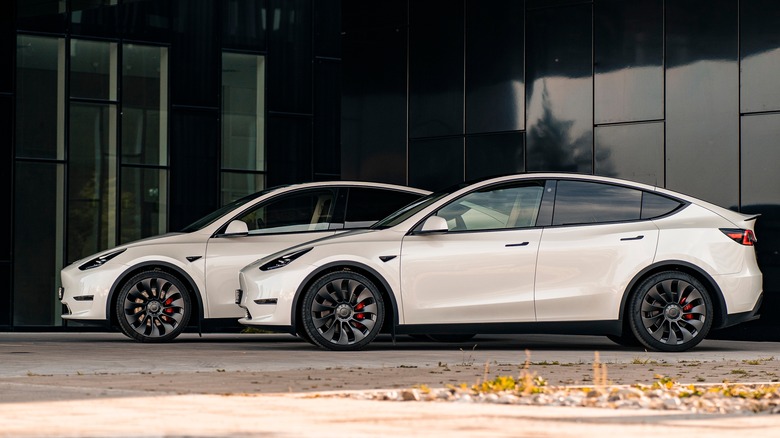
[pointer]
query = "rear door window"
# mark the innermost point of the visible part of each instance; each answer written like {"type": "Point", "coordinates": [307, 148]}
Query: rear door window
{"type": "Point", "coordinates": [584, 202]}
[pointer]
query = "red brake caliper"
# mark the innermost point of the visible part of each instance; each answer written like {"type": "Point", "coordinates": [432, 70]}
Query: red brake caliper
{"type": "Point", "coordinates": [686, 308]}
{"type": "Point", "coordinates": [168, 302]}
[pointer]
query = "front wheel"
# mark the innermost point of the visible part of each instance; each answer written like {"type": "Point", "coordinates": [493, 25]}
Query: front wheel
{"type": "Point", "coordinates": [342, 311]}
{"type": "Point", "coordinates": [670, 311]}
{"type": "Point", "coordinates": [153, 306]}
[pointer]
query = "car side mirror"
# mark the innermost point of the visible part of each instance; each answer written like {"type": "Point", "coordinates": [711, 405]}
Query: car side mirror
{"type": "Point", "coordinates": [236, 228]}
{"type": "Point", "coordinates": [435, 224]}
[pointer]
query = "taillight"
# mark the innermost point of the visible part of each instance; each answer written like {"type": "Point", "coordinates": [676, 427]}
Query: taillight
{"type": "Point", "coordinates": [743, 237]}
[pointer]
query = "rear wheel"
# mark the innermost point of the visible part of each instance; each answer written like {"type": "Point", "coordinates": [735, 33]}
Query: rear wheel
{"type": "Point", "coordinates": [153, 306]}
{"type": "Point", "coordinates": [342, 311]}
{"type": "Point", "coordinates": [670, 311]}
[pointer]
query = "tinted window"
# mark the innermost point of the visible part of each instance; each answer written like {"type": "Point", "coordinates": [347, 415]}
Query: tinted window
{"type": "Point", "coordinates": [656, 205]}
{"type": "Point", "coordinates": [366, 206]}
{"type": "Point", "coordinates": [494, 208]}
{"type": "Point", "coordinates": [309, 211]}
{"type": "Point", "coordinates": [579, 202]}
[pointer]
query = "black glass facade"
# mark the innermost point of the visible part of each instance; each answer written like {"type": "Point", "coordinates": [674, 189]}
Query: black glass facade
{"type": "Point", "coordinates": [682, 94]}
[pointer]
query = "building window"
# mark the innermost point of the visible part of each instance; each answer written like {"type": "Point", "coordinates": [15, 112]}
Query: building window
{"type": "Point", "coordinates": [243, 125]}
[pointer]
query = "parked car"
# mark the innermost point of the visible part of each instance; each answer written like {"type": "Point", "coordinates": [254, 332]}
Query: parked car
{"type": "Point", "coordinates": [153, 288]}
{"type": "Point", "coordinates": [539, 253]}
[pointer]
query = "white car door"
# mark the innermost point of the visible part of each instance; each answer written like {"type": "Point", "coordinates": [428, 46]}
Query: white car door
{"type": "Point", "coordinates": [273, 226]}
{"type": "Point", "coordinates": [595, 246]}
{"type": "Point", "coordinates": [482, 269]}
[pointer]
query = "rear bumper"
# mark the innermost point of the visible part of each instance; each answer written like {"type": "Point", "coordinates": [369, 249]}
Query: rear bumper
{"type": "Point", "coordinates": [738, 318]}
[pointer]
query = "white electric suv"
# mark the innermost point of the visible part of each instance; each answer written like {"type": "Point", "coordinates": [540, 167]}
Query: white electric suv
{"type": "Point", "coordinates": [154, 287]}
{"type": "Point", "coordinates": [536, 252]}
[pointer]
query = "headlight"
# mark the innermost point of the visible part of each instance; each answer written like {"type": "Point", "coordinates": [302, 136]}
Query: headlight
{"type": "Point", "coordinates": [284, 260]}
{"type": "Point", "coordinates": [100, 261]}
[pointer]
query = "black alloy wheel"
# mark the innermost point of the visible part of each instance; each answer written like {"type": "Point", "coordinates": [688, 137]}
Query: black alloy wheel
{"type": "Point", "coordinates": [342, 311]}
{"type": "Point", "coordinates": [153, 306]}
{"type": "Point", "coordinates": [670, 311]}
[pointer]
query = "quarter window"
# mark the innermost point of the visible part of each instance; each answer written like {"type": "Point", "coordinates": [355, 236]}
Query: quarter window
{"type": "Point", "coordinates": [656, 205]}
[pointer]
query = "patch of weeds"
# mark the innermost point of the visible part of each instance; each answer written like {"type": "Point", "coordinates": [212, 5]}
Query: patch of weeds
{"type": "Point", "coordinates": [544, 363]}
{"type": "Point", "coordinates": [407, 366]}
{"type": "Point", "coordinates": [739, 371]}
{"type": "Point", "coordinates": [758, 361]}
{"type": "Point", "coordinates": [468, 360]}
{"type": "Point", "coordinates": [640, 361]}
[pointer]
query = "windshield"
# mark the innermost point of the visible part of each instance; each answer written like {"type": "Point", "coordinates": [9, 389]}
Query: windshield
{"type": "Point", "coordinates": [412, 209]}
{"type": "Point", "coordinates": [218, 213]}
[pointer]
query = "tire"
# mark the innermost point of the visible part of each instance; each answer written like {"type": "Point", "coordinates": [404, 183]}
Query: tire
{"type": "Point", "coordinates": [670, 311]}
{"type": "Point", "coordinates": [153, 306]}
{"type": "Point", "coordinates": [342, 311]}
{"type": "Point", "coordinates": [451, 337]}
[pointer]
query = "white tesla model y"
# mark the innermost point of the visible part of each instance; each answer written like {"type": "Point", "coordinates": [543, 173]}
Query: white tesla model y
{"type": "Point", "coordinates": [540, 253]}
{"type": "Point", "coordinates": [153, 288]}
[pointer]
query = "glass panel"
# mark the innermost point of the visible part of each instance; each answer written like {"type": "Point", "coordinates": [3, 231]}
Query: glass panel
{"type": "Point", "coordinates": [6, 295]}
{"type": "Point", "coordinates": [634, 152]}
{"type": "Point", "coordinates": [243, 111]}
{"type": "Point", "coordinates": [327, 118]}
{"type": "Point", "coordinates": [629, 51]}
{"type": "Point", "coordinates": [366, 206]}
{"type": "Point", "coordinates": [760, 194]}
{"type": "Point", "coordinates": [495, 52]}
{"type": "Point", "coordinates": [195, 53]}
{"type": "Point", "coordinates": [8, 43]}
{"type": "Point", "coordinates": [312, 211]}
{"type": "Point", "coordinates": [144, 203]}
{"type": "Point", "coordinates": [578, 202]}
{"type": "Point", "coordinates": [505, 207]}
{"type": "Point", "coordinates": [194, 166]}
{"type": "Point", "coordinates": [290, 47]}
{"type": "Point", "coordinates": [494, 154]}
{"type": "Point", "coordinates": [327, 28]}
{"type": "Point", "coordinates": [435, 164]}
{"type": "Point", "coordinates": [759, 54]}
{"type": "Point", "coordinates": [94, 17]}
{"type": "Point", "coordinates": [145, 20]}
{"type": "Point", "coordinates": [702, 100]}
{"type": "Point", "coordinates": [244, 24]}
{"type": "Point", "coordinates": [238, 185]}
{"type": "Point", "coordinates": [40, 97]}
{"type": "Point", "coordinates": [91, 180]}
{"type": "Point", "coordinates": [435, 68]}
{"type": "Point", "coordinates": [93, 71]}
{"type": "Point", "coordinates": [559, 90]}
{"type": "Point", "coordinates": [41, 15]}
{"type": "Point", "coordinates": [759, 158]}
{"type": "Point", "coordinates": [655, 205]}
{"type": "Point", "coordinates": [289, 151]}
{"type": "Point", "coordinates": [6, 180]}
{"type": "Point", "coordinates": [38, 219]}
{"type": "Point", "coordinates": [144, 105]}
{"type": "Point", "coordinates": [373, 107]}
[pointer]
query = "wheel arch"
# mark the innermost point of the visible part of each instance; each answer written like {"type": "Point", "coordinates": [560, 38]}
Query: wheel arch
{"type": "Point", "coordinates": [697, 272]}
{"type": "Point", "coordinates": [391, 309]}
{"type": "Point", "coordinates": [186, 279]}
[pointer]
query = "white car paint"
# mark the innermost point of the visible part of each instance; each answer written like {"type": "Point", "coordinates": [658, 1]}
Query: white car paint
{"type": "Point", "coordinates": [208, 259]}
{"type": "Point", "coordinates": [527, 274]}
